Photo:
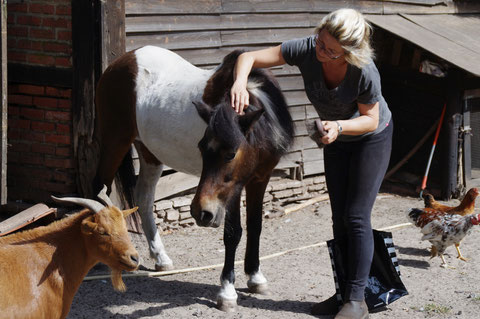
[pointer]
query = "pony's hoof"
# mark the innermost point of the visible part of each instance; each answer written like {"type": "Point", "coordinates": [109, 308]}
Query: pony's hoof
{"type": "Point", "coordinates": [164, 267]}
{"type": "Point", "coordinates": [261, 289]}
{"type": "Point", "coordinates": [227, 305]}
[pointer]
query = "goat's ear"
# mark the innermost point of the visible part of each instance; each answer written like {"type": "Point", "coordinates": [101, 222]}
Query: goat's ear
{"type": "Point", "coordinates": [129, 211]}
{"type": "Point", "coordinates": [247, 121]}
{"type": "Point", "coordinates": [204, 110]}
{"type": "Point", "coordinates": [88, 227]}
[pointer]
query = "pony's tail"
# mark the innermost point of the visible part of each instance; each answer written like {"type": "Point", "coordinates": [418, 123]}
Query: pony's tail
{"type": "Point", "coordinates": [125, 180]}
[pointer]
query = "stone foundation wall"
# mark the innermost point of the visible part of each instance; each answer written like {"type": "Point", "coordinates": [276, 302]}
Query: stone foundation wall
{"type": "Point", "coordinates": [281, 193]}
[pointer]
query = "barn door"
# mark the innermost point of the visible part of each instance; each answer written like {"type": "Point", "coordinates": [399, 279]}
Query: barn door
{"type": "Point", "coordinates": [3, 94]}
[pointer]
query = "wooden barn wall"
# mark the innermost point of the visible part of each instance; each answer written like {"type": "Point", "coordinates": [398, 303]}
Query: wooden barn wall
{"type": "Point", "coordinates": [204, 31]}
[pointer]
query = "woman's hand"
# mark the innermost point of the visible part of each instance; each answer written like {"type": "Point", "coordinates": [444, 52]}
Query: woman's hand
{"type": "Point", "coordinates": [239, 96]}
{"type": "Point", "coordinates": [332, 129]}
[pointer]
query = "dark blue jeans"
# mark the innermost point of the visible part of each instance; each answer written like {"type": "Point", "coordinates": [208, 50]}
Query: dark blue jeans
{"type": "Point", "coordinates": [354, 172]}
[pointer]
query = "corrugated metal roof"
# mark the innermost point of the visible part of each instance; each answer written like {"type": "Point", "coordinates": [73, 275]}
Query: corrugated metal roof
{"type": "Point", "coordinates": [454, 38]}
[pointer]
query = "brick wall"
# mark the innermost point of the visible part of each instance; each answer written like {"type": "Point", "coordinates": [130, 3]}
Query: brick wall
{"type": "Point", "coordinates": [40, 152]}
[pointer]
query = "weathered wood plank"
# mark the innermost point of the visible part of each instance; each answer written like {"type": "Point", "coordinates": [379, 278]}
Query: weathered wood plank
{"type": "Point", "coordinates": [311, 112]}
{"type": "Point", "coordinates": [112, 42]}
{"type": "Point", "coordinates": [460, 56]}
{"type": "Point", "coordinates": [270, 36]}
{"type": "Point", "coordinates": [172, 41]}
{"type": "Point", "coordinates": [300, 128]}
{"type": "Point", "coordinates": [463, 30]}
{"type": "Point", "coordinates": [312, 154]}
{"type": "Point", "coordinates": [291, 83]}
{"type": "Point", "coordinates": [25, 218]}
{"type": "Point", "coordinates": [297, 112]}
{"type": "Point", "coordinates": [268, 6]}
{"type": "Point", "coordinates": [182, 23]}
{"type": "Point", "coordinates": [172, 6]}
{"type": "Point", "coordinates": [175, 183]}
{"type": "Point", "coordinates": [313, 168]}
{"type": "Point", "coordinates": [296, 98]}
{"type": "Point", "coordinates": [449, 7]}
{"type": "Point", "coordinates": [4, 101]}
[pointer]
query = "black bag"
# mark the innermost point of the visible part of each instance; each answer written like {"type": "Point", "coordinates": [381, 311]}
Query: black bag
{"type": "Point", "coordinates": [384, 284]}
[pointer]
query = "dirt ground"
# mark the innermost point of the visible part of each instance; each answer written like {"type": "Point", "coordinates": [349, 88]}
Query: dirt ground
{"type": "Point", "coordinates": [297, 279]}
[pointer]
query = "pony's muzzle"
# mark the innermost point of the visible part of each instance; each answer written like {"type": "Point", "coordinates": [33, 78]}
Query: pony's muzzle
{"type": "Point", "coordinates": [205, 219]}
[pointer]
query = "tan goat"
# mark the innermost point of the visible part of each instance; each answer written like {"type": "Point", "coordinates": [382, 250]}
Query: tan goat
{"type": "Point", "coordinates": [41, 269]}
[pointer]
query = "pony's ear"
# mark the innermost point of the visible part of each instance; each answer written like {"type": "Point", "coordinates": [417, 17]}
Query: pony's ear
{"type": "Point", "coordinates": [204, 110]}
{"type": "Point", "coordinates": [247, 121]}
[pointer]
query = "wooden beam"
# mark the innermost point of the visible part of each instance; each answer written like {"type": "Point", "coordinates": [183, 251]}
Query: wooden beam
{"type": "Point", "coordinates": [85, 65]}
{"type": "Point", "coordinates": [113, 31]}
{"type": "Point", "coordinates": [3, 96]}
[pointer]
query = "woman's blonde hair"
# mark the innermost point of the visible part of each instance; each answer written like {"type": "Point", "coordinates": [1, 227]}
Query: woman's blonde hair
{"type": "Point", "coordinates": [350, 29]}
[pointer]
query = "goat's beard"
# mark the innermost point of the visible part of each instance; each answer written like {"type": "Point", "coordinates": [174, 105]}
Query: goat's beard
{"type": "Point", "coordinates": [117, 281]}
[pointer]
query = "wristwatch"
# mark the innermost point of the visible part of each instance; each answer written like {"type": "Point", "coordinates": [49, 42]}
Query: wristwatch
{"type": "Point", "coordinates": [340, 129]}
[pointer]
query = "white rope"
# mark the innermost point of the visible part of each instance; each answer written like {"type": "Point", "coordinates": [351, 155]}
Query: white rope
{"type": "Point", "coordinates": [238, 262]}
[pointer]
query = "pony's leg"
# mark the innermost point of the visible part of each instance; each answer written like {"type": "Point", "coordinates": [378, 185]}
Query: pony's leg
{"type": "Point", "coordinates": [150, 172]}
{"type": "Point", "coordinates": [227, 296]}
{"type": "Point", "coordinates": [255, 190]}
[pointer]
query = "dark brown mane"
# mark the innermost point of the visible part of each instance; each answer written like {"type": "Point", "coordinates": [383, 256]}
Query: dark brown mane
{"type": "Point", "coordinates": [275, 130]}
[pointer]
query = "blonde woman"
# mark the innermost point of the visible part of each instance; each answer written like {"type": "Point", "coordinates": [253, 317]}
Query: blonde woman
{"type": "Point", "coordinates": [343, 84]}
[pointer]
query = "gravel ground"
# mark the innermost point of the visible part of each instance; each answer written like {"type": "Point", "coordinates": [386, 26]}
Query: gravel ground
{"type": "Point", "coordinates": [297, 279]}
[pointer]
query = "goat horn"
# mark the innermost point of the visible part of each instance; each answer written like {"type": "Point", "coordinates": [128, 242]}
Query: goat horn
{"type": "Point", "coordinates": [104, 197]}
{"type": "Point", "coordinates": [91, 204]}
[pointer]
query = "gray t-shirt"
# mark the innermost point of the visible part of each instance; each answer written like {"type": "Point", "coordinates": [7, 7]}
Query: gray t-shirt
{"type": "Point", "coordinates": [358, 86]}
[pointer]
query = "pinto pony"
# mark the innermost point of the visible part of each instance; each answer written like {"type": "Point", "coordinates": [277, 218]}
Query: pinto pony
{"type": "Point", "coordinates": [180, 115]}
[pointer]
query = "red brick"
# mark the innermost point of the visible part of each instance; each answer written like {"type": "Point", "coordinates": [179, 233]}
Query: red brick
{"type": "Point", "coordinates": [41, 8]}
{"type": "Point", "coordinates": [42, 33]}
{"type": "Point", "coordinates": [24, 44]}
{"type": "Point", "coordinates": [63, 177]}
{"type": "Point", "coordinates": [31, 89]}
{"type": "Point", "coordinates": [64, 35]}
{"type": "Point", "coordinates": [43, 148]}
{"type": "Point", "coordinates": [64, 104]}
{"type": "Point", "coordinates": [43, 126]}
{"type": "Point", "coordinates": [55, 115]}
{"type": "Point", "coordinates": [19, 124]}
{"type": "Point", "coordinates": [13, 135]}
{"type": "Point", "coordinates": [52, 91]}
{"type": "Point", "coordinates": [25, 171]}
{"type": "Point", "coordinates": [34, 159]}
{"type": "Point", "coordinates": [63, 151]}
{"type": "Point", "coordinates": [33, 114]}
{"type": "Point", "coordinates": [11, 19]}
{"type": "Point", "coordinates": [42, 102]}
{"type": "Point", "coordinates": [56, 23]}
{"type": "Point", "coordinates": [33, 136]}
{"type": "Point", "coordinates": [40, 59]}
{"type": "Point", "coordinates": [16, 56]}
{"type": "Point", "coordinates": [12, 158]}
{"type": "Point", "coordinates": [59, 163]}
{"type": "Point", "coordinates": [16, 7]}
{"type": "Point", "coordinates": [19, 147]}
{"type": "Point", "coordinates": [63, 10]}
{"type": "Point", "coordinates": [29, 20]}
{"type": "Point", "coordinates": [57, 47]}
{"type": "Point", "coordinates": [57, 139]}
{"type": "Point", "coordinates": [17, 31]}
{"type": "Point", "coordinates": [64, 62]}
{"type": "Point", "coordinates": [11, 43]}
{"type": "Point", "coordinates": [20, 99]}
{"type": "Point", "coordinates": [62, 128]}
{"type": "Point", "coordinates": [13, 110]}
{"type": "Point", "coordinates": [36, 45]}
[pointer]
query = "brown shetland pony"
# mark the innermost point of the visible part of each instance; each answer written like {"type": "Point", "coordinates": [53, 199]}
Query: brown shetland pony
{"type": "Point", "coordinates": [179, 115]}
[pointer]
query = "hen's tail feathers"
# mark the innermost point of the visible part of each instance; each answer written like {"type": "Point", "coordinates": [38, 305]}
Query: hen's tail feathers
{"type": "Point", "coordinates": [414, 214]}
